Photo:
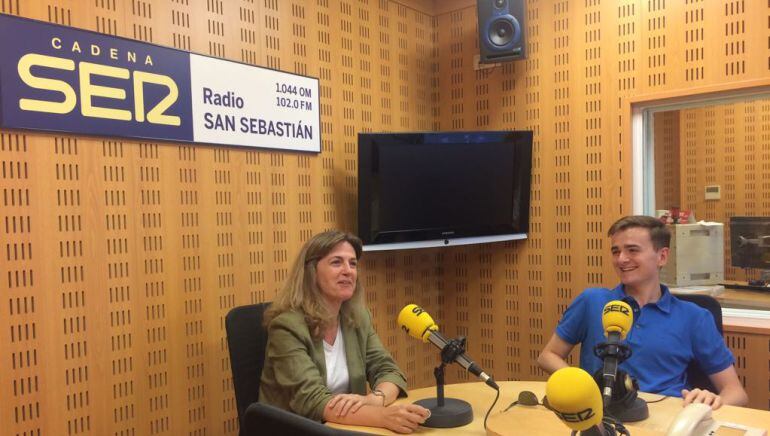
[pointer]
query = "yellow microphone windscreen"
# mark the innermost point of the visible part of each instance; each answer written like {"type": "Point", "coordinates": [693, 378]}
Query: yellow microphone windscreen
{"type": "Point", "coordinates": [415, 321]}
{"type": "Point", "coordinates": [575, 398]}
{"type": "Point", "coordinates": [617, 316]}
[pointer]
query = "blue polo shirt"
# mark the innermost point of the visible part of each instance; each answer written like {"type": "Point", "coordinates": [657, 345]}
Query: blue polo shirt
{"type": "Point", "coordinates": [666, 336]}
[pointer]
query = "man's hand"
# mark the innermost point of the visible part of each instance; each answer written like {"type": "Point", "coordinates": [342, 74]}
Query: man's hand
{"type": "Point", "coordinates": [702, 396]}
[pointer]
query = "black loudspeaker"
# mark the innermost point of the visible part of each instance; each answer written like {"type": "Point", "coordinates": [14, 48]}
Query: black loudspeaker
{"type": "Point", "coordinates": [501, 30]}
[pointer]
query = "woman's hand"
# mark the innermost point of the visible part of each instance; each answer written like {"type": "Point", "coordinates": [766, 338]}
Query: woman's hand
{"type": "Point", "coordinates": [342, 404]}
{"type": "Point", "coordinates": [404, 418]}
{"type": "Point", "coordinates": [702, 396]}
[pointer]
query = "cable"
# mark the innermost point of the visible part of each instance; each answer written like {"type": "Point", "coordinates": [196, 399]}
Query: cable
{"type": "Point", "coordinates": [526, 398]}
{"type": "Point", "coordinates": [614, 426]}
{"type": "Point", "coordinates": [656, 401]}
{"type": "Point", "coordinates": [491, 407]}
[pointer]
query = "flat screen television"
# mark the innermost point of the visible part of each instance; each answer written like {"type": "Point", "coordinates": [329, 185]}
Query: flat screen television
{"type": "Point", "coordinates": [750, 242]}
{"type": "Point", "coordinates": [446, 188]}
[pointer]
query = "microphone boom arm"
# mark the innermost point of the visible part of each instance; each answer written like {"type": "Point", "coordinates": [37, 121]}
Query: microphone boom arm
{"type": "Point", "coordinates": [453, 350]}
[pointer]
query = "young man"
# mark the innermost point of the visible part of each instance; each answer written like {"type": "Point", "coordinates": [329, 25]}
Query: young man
{"type": "Point", "coordinates": [667, 333]}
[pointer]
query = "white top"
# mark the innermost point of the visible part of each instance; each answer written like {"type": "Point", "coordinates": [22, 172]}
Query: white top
{"type": "Point", "coordinates": [337, 378]}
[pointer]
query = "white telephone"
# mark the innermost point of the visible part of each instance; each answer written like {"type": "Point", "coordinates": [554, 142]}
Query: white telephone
{"type": "Point", "coordinates": [696, 420]}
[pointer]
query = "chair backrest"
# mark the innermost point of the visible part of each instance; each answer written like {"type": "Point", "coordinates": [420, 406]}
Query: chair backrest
{"type": "Point", "coordinates": [263, 419]}
{"type": "Point", "coordinates": [707, 302]}
{"type": "Point", "coordinates": [695, 374]}
{"type": "Point", "coordinates": [246, 340]}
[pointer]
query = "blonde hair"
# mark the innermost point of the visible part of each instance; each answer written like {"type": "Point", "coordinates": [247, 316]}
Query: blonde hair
{"type": "Point", "coordinates": [301, 292]}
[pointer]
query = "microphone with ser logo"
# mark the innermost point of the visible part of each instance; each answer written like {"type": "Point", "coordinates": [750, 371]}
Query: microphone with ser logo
{"type": "Point", "coordinates": [619, 390]}
{"type": "Point", "coordinates": [574, 397]}
{"type": "Point", "coordinates": [617, 319]}
{"type": "Point", "coordinates": [419, 324]}
{"type": "Point", "coordinates": [445, 412]}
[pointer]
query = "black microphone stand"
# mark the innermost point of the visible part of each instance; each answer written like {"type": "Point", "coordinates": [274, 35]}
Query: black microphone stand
{"type": "Point", "coordinates": [624, 404]}
{"type": "Point", "coordinates": [447, 412]}
{"type": "Point", "coordinates": [616, 353]}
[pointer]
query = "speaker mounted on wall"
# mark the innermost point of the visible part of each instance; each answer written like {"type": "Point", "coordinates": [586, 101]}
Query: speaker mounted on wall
{"type": "Point", "coordinates": [501, 30]}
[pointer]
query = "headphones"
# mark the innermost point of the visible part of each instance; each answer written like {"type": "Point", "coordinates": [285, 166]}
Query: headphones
{"type": "Point", "coordinates": [625, 389]}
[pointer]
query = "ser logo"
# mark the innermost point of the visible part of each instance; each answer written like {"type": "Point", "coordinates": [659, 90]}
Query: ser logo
{"type": "Point", "coordinates": [616, 308]}
{"type": "Point", "coordinates": [581, 416]}
{"type": "Point", "coordinates": [84, 74]}
{"type": "Point", "coordinates": [417, 311]}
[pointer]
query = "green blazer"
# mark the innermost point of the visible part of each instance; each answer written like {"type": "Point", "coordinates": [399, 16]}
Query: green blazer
{"type": "Point", "coordinates": [294, 375]}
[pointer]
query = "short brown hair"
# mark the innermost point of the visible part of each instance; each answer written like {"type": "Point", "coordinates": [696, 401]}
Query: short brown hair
{"type": "Point", "coordinates": [301, 292]}
{"type": "Point", "coordinates": [660, 235]}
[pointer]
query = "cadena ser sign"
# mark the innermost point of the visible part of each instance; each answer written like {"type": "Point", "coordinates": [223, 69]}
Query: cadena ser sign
{"type": "Point", "coordinates": [67, 80]}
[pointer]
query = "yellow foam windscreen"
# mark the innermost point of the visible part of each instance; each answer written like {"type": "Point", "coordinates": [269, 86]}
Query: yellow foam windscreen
{"type": "Point", "coordinates": [617, 316]}
{"type": "Point", "coordinates": [415, 321]}
{"type": "Point", "coordinates": [575, 398]}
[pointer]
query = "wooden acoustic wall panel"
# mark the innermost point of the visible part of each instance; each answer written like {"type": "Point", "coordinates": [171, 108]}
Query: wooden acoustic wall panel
{"type": "Point", "coordinates": [627, 51]}
{"type": "Point", "coordinates": [694, 36]}
{"type": "Point", "coordinates": [537, 276]}
{"type": "Point", "coordinates": [658, 40]}
{"type": "Point", "coordinates": [189, 244]}
{"type": "Point", "coordinates": [22, 312]}
{"type": "Point", "coordinates": [153, 284]}
{"type": "Point", "coordinates": [667, 137]}
{"type": "Point", "coordinates": [726, 145]}
{"type": "Point", "coordinates": [461, 319]}
{"type": "Point", "coordinates": [752, 352]}
{"type": "Point", "coordinates": [564, 176]}
{"type": "Point", "coordinates": [392, 281]}
{"type": "Point", "coordinates": [71, 323]}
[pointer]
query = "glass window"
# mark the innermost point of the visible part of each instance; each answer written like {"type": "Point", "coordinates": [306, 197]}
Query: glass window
{"type": "Point", "coordinates": [711, 159]}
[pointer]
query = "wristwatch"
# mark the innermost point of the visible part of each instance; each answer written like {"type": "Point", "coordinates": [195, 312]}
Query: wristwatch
{"type": "Point", "coordinates": [379, 393]}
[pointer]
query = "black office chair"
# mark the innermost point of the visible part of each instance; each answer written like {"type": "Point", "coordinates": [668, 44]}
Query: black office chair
{"type": "Point", "coordinates": [246, 339]}
{"type": "Point", "coordinates": [695, 374]}
{"type": "Point", "coordinates": [262, 419]}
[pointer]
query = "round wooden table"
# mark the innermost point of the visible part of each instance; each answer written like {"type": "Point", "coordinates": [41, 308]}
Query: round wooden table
{"type": "Point", "coordinates": [533, 420]}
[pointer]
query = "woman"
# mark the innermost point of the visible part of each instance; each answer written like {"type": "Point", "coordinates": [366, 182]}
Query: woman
{"type": "Point", "coordinates": [322, 348]}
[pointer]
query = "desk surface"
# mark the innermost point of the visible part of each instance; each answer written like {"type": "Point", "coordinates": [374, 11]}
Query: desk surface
{"type": "Point", "coordinates": [737, 299]}
{"type": "Point", "coordinates": [744, 299]}
{"type": "Point", "coordinates": [518, 418]}
{"type": "Point", "coordinates": [729, 296]}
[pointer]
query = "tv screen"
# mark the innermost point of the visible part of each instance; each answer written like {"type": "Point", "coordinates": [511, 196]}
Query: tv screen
{"type": "Point", "coordinates": [433, 189]}
{"type": "Point", "coordinates": [750, 242]}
